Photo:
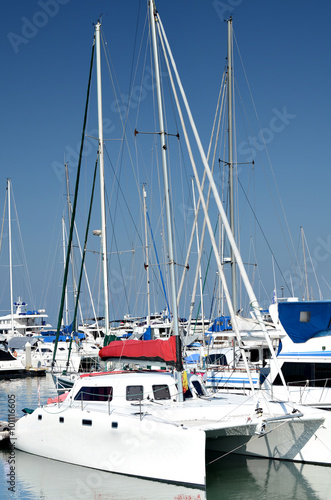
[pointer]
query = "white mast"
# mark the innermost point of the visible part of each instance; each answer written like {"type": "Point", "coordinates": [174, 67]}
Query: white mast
{"type": "Point", "coordinates": [102, 180]}
{"type": "Point", "coordinates": [230, 147]}
{"type": "Point", "coordinates": [10, 258]}
{"type": "Point", "coordinates": [200, 274]}
{"type": "Point", "coordinates": [166, 189]}
{"type": "Point", "coordinates": [147, 261]}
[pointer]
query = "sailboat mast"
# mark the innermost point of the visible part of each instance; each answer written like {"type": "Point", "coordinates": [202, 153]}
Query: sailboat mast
{"type": "Point", "coordinates": [64, 264]}
{"type": "Point", "coordinates": [230, 152]}
{"type": "Point", "coordinates": [147, 260]}
{"type": "Point", "coordinates": [102, 180]}
{"type": "Point", "coordinates": [304, 260]}
{"type": "Point", "coordinates": [200, 274]}
{"type": "Point", "coordinates": [166, 189]}
{"type": "Point", "coordinates": [74, 287]}
{"type": "Point", "coordinates": [10, 257]}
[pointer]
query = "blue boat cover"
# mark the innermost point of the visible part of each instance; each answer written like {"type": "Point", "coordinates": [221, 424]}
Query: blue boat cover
{"type": "Point", "coordinates": [220, 324]}
{"type": "Point", "coordinates": [148, 334]}
{"type": "Point", "coordinates": [192, 358]}
{"type": "Point", "coordinates": [305, 319]}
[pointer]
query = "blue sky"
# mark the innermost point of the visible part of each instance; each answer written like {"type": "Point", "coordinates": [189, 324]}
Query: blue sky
{"type": "Point", "coordinates": [45, 53]}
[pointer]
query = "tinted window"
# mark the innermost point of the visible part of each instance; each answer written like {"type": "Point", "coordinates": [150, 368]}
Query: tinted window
{"type": "Point", "coordinates": [161, 392]}
{"type": "Point", "coordinates": [134, 393]}
{"type": "Point", "coordinates": [95, 394]}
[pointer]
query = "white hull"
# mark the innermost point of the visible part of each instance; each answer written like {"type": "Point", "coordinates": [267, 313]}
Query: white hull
{"type": "Point", "coordinates": [136, 447]}
{"type": "Point", "coordinates": [157, 437]}
{"type": "Point", "coordinates": [303, 439]}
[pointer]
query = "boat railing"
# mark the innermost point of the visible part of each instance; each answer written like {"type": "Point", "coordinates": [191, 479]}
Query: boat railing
{"type": "Point", "coordinates": [306, 385]}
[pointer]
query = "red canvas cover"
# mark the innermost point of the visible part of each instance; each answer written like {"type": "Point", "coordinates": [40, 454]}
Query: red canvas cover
{"type": "Point", "coordinates": [153, 350]}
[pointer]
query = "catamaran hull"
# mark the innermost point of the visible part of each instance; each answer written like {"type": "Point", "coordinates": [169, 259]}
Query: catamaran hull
{"type": "Point", "coordinates": [136, 445]}
{"type": "Point", "coordinates": [302, 439]}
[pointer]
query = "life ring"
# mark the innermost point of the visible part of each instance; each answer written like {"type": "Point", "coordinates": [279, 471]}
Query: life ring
{"type": "Point", "coordinates": [15, 354]}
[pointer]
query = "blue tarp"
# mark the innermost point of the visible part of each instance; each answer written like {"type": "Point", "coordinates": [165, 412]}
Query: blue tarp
{"type": "Point", "coordinates": [220, 324]}
{"type": "Point", "coordinates": [50, 336]}
{"type": "Point", "coordinates": [148, 334]}
{"type": "Point", "coordinates": [305, 319]}
{"type": "Point", "coordinates": [193, 358]}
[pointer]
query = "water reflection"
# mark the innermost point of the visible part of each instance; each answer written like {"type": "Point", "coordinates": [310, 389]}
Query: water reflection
{"type": "Point", "coordinates": [44, 479]}
{"type": "Point", "coordinates": [239, 477]}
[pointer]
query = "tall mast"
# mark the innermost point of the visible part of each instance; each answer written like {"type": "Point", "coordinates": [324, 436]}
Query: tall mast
{"type": "Point", "coordinates": [10, 258]}
{"type": "Point", "coordinates": [304, 260]}
{"type": "Point", "coordinates": [66, 319]}
{"type": "Point", "coordinates": [200, 274]}
{"type": "Point", "coordinates": [102, 180]}
{"type": "Point", "coordinates": [230, 152]}
{"type": "Point", "coordinates": [74, 287]}
{"type": "Point", "coordinates": [166, 193]}
{"type": "Point", "coordinates": [147, 261]}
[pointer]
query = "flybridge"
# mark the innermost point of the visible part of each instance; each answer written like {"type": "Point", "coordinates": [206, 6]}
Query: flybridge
{"type": "Point", "coordinates": [303, 320]}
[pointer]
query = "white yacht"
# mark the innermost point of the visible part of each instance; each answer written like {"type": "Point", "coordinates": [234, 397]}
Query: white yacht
{"type": "Point", "coordinates": [304, 353]}
{"type": "Point", "coordinates": [23, 322]}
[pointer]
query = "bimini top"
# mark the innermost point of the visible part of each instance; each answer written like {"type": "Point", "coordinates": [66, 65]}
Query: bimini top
{"type": "Point", "coordinates": [151, 350]}
{"type": "Point", "coordinates": [305, 319]}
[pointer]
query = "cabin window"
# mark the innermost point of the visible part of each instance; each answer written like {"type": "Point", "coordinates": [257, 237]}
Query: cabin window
{"type": "Point", "coordinates": [61, 420]}
{"type": "Point", "coordinates": [216, 359]}
{"type": "Point", "coordinates": [304, 316]}
{"type": "Point", "coordinates": [114, 425]}
{"type": "Point", "coordinates": [255, 355]}
{"type": "Point", "coordinates": [86, 422]}
{"type": "Point", "coordinates": [94, 394]}
{"type": "Point", "coordinates": [134, 393]}
{"type": "Point", "coordinates": [40, 417]}
{"type": "Point", "coordinates": [161, 392]}
{"type": "Point", "coordinates": [198, 387]}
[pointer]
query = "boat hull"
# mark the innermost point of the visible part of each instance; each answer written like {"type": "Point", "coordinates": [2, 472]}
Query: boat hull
{"type": "Point", "coordinates": [299, 439]}
{"type": "Point", "coordinates": [136, 445]}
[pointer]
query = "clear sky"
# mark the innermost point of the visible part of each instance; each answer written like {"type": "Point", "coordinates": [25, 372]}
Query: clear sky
{"type": "Point", "coordinates": [45, 55]}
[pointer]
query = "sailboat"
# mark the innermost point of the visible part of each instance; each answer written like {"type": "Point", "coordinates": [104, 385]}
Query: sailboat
{"type": "Point", "coordinates": [158, 424]}
{"type": "Point", "coordinates": [21, 321]}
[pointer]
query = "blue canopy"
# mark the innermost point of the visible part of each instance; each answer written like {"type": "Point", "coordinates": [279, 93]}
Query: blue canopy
{"type": "Point", "coordinates": [220, 324]}
{"type": "Point", "coordinates": [304, 320]}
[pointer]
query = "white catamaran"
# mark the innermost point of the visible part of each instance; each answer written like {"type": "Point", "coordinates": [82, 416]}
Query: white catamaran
{"type": "Point", "coordinates": [149, 424]}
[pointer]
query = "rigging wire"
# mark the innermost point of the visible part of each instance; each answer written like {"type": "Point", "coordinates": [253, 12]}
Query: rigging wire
{"type": "Point", "coordinates": [272, 171]}
{"type": "Point", "coordinates": [264, 236]}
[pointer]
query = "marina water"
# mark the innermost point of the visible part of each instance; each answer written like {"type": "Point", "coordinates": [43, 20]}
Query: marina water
{"type": "Point", "coordinates": [231, 477]}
